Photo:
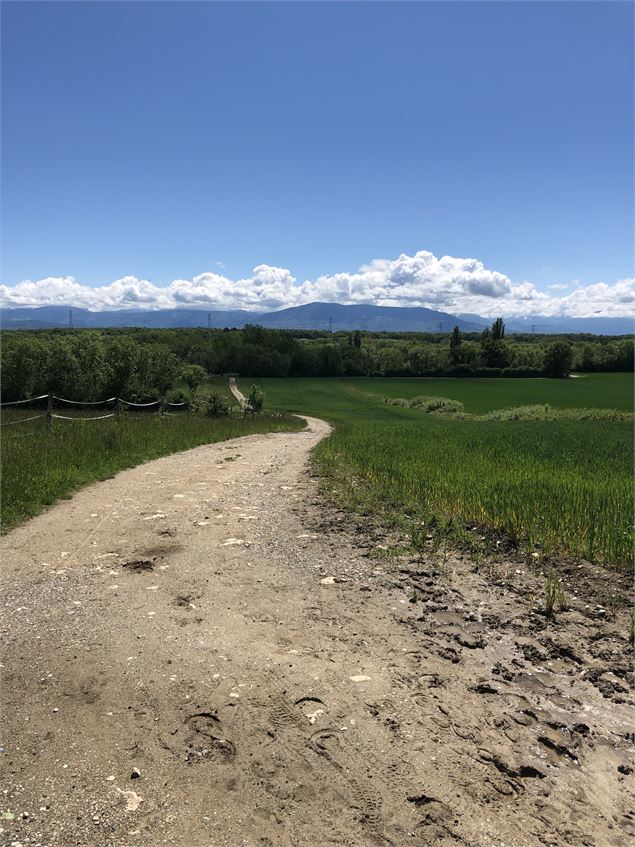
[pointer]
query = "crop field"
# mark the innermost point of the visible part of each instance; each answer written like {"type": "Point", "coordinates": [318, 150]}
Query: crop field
{"type": "Point", "coordinates": [41, 466]}
{"type": "Point", "coordinates": [610, 391]}
{"type": "Point", "coordinates": [562, 486]}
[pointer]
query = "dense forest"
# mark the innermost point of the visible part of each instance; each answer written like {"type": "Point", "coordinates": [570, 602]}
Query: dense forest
{"type": "Point", "coordinates": [141, 364]}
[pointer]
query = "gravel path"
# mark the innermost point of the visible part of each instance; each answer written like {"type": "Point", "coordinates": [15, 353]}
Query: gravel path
{"type": "Point", "coordinates": [199, 652]}
{"type": "Point", "coordinates": [235, 390]}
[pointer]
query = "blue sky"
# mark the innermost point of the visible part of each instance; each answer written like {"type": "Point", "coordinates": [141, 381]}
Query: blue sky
{"type": "Point", "coordinates": [179, 141]}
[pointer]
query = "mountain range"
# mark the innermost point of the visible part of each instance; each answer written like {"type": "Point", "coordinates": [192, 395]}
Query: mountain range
{"type": "Point", "coordinates": [320, 316]}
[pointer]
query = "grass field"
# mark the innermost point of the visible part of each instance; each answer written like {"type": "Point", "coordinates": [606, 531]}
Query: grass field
{"type": "Point", "coordinates": [558, 486]}
{"type": "Point", "coordinates": [40, 467]}
{"type": "Point", "coordinates": [609, 391]}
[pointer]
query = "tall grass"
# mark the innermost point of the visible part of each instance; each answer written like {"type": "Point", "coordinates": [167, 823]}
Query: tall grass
{"type": "Point", "coordinates": [40, 466]}
{"type": "Point", "coordinates": [562, 486]}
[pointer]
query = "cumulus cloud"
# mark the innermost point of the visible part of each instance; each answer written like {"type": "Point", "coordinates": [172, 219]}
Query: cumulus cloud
{"type": "Point", "coordinates": [600, 300]}
{"type": "Point", "coordinates": [448, 284]}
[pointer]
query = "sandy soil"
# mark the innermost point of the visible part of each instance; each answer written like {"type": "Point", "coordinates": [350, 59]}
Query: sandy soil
{"type": "Point", "coordinates": [201, 652]}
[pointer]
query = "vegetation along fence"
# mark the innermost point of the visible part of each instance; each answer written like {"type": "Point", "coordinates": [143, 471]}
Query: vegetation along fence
{"type": "Point", "coordinates": [49, 406]}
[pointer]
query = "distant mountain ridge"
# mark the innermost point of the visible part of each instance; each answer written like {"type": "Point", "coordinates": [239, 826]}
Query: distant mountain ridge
{"type": "Point", "coordinates": [321, 316]}
{"type": "Point", "coordinates": [546, 325]}
{"type": "Point", "coordinates": [368, 317]}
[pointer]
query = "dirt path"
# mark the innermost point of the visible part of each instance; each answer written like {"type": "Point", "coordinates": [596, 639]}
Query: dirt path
{"type": "Point", "coordinates": [235, 390]}
{"type": "Point", "coordinates": [206, 620]}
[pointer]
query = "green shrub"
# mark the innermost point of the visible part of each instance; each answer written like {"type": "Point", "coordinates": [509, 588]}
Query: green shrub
{"type": "Point", "coordinates": [193, 376]}
{"type": "Point", "coordinates": [429, 405]}
{"type": "Point", "coordinates": [211, 403]}
{"type": "Point", "coordinates": [438, 405]}
{"type": "Point", "coordinates": [520, 413]}
{"type": "Point", "coordinates": [255, 398]}
{"type": "Point", "coordinates": [545, 412]}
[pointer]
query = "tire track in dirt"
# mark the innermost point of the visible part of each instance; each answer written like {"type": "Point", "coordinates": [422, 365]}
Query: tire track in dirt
{"type": "Point", "coordinates": [175, 620]}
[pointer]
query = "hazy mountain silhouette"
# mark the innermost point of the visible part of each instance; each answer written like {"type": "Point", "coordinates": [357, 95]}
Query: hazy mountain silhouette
{"type": "Point", "coordinates": [321, 316]}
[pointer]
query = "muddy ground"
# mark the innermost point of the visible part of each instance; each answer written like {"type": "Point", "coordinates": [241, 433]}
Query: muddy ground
{"type": "Point", "coordinates": [202, 652]}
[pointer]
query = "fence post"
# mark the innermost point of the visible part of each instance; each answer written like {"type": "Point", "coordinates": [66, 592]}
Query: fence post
{"type": "Point", "coordinates": [117, 407]}
{"type": "Point", "coordinates": [49, 411]}
{"type": "Point", "coordinates": [162, 407]}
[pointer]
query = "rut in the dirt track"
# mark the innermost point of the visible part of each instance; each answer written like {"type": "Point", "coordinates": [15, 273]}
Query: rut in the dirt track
{"type": "Point", "coordinates": [200, 652]}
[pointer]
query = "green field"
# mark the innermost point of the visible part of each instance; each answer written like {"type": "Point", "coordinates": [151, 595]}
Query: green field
{"type": "Point", "coordinates": [556, 486]}
{"type": "Point", "coordinates": [561, 486]}
{"type": "Point", "coordinates": [610, 391]}
{"type": "Point", "coordinates": [40, 467]}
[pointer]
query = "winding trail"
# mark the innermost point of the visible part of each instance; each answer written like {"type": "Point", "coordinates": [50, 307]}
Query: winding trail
{"type": "Point", "coordinates": [235, 390]}
{"type": "Point", "coordinates": [207, 620]}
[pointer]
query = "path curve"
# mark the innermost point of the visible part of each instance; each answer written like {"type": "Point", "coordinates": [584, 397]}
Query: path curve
{"type": "Point", "coordinates": [199, 652]}
{"type": "Point", "coordinates": [235, 390]}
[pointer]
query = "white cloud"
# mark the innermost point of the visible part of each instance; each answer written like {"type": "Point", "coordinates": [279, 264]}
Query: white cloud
{"type": "Point", "coordinates": [448, 284]}
{"type": "Point", "coordinates": [600, 300]}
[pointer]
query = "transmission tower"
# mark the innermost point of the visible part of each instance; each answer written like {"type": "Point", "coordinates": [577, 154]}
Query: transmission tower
{"type": "Point", "coordinates": [331, 325]}
{"type": "Point", "coordinates": [70, 319]}
{"type": "Point", "coordinates": [440, 326]}
{"type": "Point", "coordinates": [209, 320]}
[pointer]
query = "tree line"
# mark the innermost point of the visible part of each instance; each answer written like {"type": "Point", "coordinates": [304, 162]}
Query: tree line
{"type": "Point", "coordinates": [142, 364]}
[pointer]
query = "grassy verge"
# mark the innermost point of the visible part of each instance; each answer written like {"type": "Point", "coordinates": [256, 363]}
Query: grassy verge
{"type": "Point", "coordinates": [559, 486]}
{"type": "Point", "coordinates": [40, 467]}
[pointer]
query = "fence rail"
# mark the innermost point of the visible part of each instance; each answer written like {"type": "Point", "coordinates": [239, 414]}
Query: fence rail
{"type": "Point", "coordinates": [22, 402]}
{"type": "Point", "coordinates": [24, 420]}
{"type": "Point", "coordinates": [75, 418]}
{"type": "Point", "coordinates": [57, 399]}
{"type": "Point", "coordinates": [157, 407]}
